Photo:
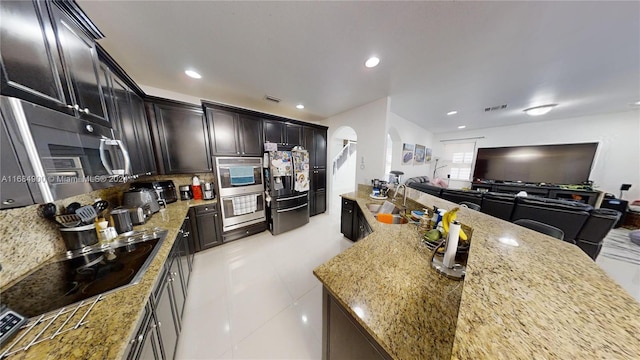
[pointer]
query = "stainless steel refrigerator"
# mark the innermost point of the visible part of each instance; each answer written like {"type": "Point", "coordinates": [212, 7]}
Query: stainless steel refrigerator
{"type": "Point", "coordinates": [286, 173]}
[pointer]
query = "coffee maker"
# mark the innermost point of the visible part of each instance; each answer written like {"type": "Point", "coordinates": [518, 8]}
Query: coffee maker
{"type": "Point", "coordinates": [208, 193]}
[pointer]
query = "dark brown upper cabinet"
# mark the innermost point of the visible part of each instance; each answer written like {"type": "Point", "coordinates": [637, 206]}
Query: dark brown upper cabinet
{"type": "Point", "coordinates": [282, 133]}
{"type": "Point", "coordinates": [180, 138]}
{"type": "Point", "coordinates": [48, 59]}
{"type": "Point", "coordinates": [31, 65]}
{"type": "Point", "coordinates": [233, 133]}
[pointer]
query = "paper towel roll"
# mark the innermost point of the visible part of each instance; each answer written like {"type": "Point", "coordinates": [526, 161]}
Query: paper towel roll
{"type": "Point", "coordinates": [452, 245]}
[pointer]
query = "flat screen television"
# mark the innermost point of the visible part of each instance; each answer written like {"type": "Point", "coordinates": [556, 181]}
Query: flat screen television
{"type": "Point", "coordinates": [563, 164]}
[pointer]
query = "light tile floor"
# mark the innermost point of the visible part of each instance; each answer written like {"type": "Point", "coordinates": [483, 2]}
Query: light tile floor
{"type": "Point", "coordinates": [257, 298]}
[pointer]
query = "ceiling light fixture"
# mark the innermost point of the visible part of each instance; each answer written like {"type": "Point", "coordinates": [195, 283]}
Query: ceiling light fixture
{"type": "Point", "coordinates": [637, 103]}
{"type": "Point", "coordinates": [300, 106]}
{"type": "Point", "coordinates": [193, 74]}
{"type": "Point", "coordinates": [539, 110]}
{"type": "Point", "coordinates": [462, 126]}
{"type": "Point", "coordinates": [452, 112]}
{"type": "Point", "coordinates": [372, 62]}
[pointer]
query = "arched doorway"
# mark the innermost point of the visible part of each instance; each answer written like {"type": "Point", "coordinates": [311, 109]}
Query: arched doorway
{"type": "Point", "coordinates": [343, 147]}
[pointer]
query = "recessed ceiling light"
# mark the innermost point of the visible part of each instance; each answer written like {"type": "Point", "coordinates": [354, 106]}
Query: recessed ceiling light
{"type": "Point", "coordinates": [372, 62]}
{"type": "Point", "coordinates": [637, 103]}
{"type": "Point", "coordinates": [539, 110]}
{"type": "Point", "coordinates": [300, 106]}
{"type": "Point", "coordinates": [452, 112]}
{"type": "Point", "coordinates": [193, 74]}
{"type": "Point", "coordinates": [462, 126]}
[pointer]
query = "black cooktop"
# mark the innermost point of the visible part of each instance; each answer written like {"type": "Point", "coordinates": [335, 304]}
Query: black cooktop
{"type": "Point", "coordinates": [84, 274]}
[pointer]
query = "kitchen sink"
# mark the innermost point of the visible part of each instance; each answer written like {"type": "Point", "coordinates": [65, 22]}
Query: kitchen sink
{"type": "Point", "coordinates": [375, 208]}
{"type": "Point", "coordinates": [395, 217]}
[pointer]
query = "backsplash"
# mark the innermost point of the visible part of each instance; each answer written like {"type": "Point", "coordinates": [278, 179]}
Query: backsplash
{"type": "Point", "coordinates": [27, 239]}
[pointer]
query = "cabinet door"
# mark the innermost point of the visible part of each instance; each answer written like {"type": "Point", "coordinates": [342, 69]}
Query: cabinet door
{"type": "Point", "coordinates": [347, 218]}
{"type": "Point", "coordinates": [223, 132]}
{"type": "Point", "coordinates": [320, 148]}
{"type": "Point", "coordinates": [320, 202]}
{"type": "Point", "coordinates": [166, 314]}
{"type": "Point", "coordinates": [150, 347]}
{"type": "Point", "coordinates": [319, 181]}
{"type": "Point", "coordinates": [31, 67]}
{"type": "Point", "coordinates": [308, 141]}
{"type": "Point", "coordinates": [274, 131]}
{"type": "Point", "coordinates": [148, 160]}
{"type": "Point", "coordinates": [250, 134]}
{"type": "Point", "coordinates": [81, 64]}
{"type": "Point", "coordinates": [182, 139]}
{"type": "Point", "coordinates": [125, 125]}
{"type": "Point", "coordinates": [208, 230]}
{"type": "Point", "coordinates": [293, 134]}
{"type": "Point", "coordinates": [177, 285]}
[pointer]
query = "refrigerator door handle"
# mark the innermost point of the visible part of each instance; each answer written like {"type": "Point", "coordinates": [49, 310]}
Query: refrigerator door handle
{"type": "Point", "coordinates": [292, 197]}
{"type": "Point", "coordinates": [293, 208]}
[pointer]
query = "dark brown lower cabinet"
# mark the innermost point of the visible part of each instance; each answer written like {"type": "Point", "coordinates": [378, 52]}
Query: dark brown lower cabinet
{"type": "Point", "coordinates": [205, 227]}
{"type": "Point", "coordinates": [343, 337]}
{"type": "Point", "coordinates": [159, 329]}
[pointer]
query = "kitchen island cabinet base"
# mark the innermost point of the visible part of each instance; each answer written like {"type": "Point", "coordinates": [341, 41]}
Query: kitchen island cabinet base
{"type": "Point", "coordinates": [342, 336]}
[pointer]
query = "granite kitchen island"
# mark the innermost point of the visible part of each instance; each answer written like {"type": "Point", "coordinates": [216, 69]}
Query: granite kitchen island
{"type": "Point", "coordinates": [525, 295]}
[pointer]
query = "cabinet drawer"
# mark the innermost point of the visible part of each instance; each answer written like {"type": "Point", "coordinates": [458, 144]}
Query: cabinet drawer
{"type": "Point", "coordinates": [203, 209]}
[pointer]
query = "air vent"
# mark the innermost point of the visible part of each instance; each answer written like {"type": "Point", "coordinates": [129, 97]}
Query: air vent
{"type": "Point", "coordinates": [272, 99]}
{"type": "Point", "coordinates": [494, 108]}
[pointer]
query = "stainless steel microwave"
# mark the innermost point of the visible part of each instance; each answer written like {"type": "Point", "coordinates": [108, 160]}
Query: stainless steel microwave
{"type": "Point", "coordinates": [61, 155]}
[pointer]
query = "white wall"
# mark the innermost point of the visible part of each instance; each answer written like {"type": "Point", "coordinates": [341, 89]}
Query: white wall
{"type": "Point", "coordinates": [617, 159]}
{"type": "Point", "coordinates": [368, 121]}
{"type": "Point", "coordinates": [405, 131]}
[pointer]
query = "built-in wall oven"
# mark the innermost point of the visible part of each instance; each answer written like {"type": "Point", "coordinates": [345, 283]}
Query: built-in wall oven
{"type": "Point", "coordinates": [241, 191]}
{"type": "Point", "coordinates": [67, 156]}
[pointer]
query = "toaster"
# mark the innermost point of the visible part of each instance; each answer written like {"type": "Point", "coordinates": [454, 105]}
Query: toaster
{"type": "Point", "coordinates": [146, 199]}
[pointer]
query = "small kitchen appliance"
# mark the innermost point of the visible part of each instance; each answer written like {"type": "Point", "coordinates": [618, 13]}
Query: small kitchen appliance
{"type": "Point", "coordinates": [121, 220]}
{"type": "Point", "coordinates": [185, 192]}
{"type": "Point", "coordinates": [165, 190]}
{"type": "Point", "coordinates": [208, 193]}
{"type": "Point", "coordinates": [144, 198]}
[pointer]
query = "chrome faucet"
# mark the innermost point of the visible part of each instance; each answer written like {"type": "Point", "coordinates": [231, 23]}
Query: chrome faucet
{"type": "Point", "coordinates": [404, 200]}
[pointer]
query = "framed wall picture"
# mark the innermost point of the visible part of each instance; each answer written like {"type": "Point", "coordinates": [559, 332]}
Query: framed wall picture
{"type": "Point", "coordinates": [427, 155]}
{"type": "Point", "coordinates": [407, 153]}
{"type": "Point", "coordinates": [418, 155]}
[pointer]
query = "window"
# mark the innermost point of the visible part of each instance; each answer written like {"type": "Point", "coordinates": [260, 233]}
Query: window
{"type": "Point", "coordinates": [461, 156]}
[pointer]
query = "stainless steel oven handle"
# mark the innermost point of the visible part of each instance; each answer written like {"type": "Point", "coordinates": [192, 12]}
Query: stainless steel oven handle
{"type": "Point", "coordinates": [125, 154]}
{"type": "Point", "coordinates": [293, 208]}
{"type": "Point", "coordinates": [291, 198]}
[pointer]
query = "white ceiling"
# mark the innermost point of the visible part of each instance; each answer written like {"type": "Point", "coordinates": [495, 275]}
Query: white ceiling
{"type": "Point", "coordinates": [435, 56]}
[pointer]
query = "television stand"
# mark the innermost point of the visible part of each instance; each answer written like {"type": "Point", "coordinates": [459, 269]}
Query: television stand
{"type": "Point", "coordinates": [548, 191]}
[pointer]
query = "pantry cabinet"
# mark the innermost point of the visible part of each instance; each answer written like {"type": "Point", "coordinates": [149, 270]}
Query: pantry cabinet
{"type": "Point", "coordinates": [315, 141]}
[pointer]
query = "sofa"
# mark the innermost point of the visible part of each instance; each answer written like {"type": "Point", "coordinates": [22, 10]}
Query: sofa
{"type": "Point", "coordinates": [421, 183]}
{"type": "Point", "coordinates": [581, 223]}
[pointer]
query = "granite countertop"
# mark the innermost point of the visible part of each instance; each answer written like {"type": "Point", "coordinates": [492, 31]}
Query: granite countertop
{"type": "Point", "coordinates": [525, 295]}
{"type": "Point", "coordinates": [113, 321]}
